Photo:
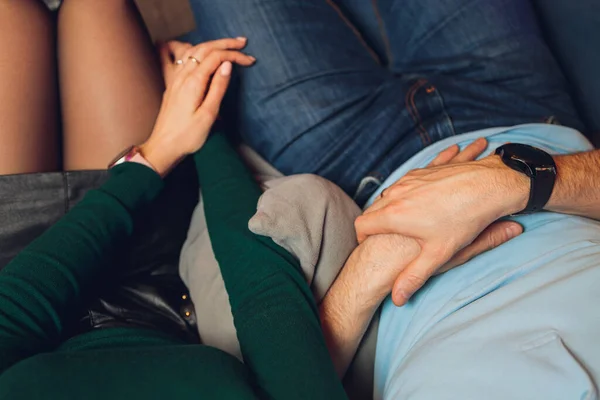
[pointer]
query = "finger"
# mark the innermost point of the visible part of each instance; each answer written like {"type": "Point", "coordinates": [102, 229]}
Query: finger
{"type": "Point", "coordinates": [218, 57]}
{"type": "Point", "coordinates": [186, 69]}
{"type": "Point", "coordinates": [193, 91]}
{"type": "Point", "coordinates": [414, 276]}
{"type": "Point", "coordinates": [471, 152]}
{"type": "Point", "coordinates": [445, 156]}
{"type": "Point", "coordinates": [374, 223]}
{"type": "Point", "coordinates": [201, 51]}
{"type": "Point", "coordinates": [380, 202]}
{"type": "Point", "coordinates": [205, 70]}
{"type": "Point", "coordinates": [378, 198]}
{"type": "Point", "coordinates": [387, 195]}
{"type": "Point", "coordinates": [178, 49]}
{"type": "Point", "coordinates": [218, 87]}
{"type": "Point", "coordinates": [493, 236]}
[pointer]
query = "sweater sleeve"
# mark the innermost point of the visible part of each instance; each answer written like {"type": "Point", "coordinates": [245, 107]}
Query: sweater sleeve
{"type": "Point", "coordinates": [42, 287]}
{"type": "Point", "coordinates": [274, 312]}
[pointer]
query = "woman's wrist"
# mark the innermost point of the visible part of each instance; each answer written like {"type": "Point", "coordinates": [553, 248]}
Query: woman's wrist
{"type": "Point", "coordinates": [162, 156]}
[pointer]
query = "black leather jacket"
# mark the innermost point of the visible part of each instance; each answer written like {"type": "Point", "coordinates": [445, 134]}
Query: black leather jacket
{"type": "Point", "coordinates": [147, 290]}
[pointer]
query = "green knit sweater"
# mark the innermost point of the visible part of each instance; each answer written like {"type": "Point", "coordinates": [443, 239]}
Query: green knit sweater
{"type": "Point", "coordinates": [274, 312]}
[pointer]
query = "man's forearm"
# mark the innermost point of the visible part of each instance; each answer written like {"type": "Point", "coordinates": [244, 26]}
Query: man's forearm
{"type": "Point", "coordinates": [577, 188]}
{"type": "Point", "coordinates": [365, 281]}
{"type": "Point", "coordinates": [345, 318]}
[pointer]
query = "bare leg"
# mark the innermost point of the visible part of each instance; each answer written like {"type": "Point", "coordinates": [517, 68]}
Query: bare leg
{"type": "Point", "coordinates": [29, 111]}
{"type": "Point", "coordinates": [111, 84]}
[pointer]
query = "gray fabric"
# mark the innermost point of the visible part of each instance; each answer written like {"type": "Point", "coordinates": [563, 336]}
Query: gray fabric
{"type": "Point", "coordinates": [312, 219]}
{"type": "Point", "coordinates": [53, 4]}
{"type": "Point", "coordinates": [308, 216]}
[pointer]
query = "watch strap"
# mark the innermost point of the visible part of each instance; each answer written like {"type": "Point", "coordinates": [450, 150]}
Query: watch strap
{"type": "Point", "coordinates": [131, 154]}
{"type": "Point", "coordinates": [138, 158]}
{"type": "Point", "coordinates": [538, 165]}
{"type": "Point", "coordinates": [542, 185]}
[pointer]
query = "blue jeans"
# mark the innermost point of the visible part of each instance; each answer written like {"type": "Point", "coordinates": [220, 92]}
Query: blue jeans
{"type": "Point", "coordinates": [350, 90]}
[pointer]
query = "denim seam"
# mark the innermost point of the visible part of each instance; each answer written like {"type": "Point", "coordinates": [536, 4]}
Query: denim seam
{"type": "Point", "coordinates": [447, 117]}
{"type": "Point", "coordinates": [412, 109]}
{"type": "Point", "coordinates": [412, 101]}
{"type": "Point", "coordinates": [383, 32]}
{"type": "Point", "coordinates": [356, 32]}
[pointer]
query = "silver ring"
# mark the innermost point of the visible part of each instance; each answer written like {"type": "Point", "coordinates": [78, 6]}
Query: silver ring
{"type": "Point", "coordinates": [194, 60]}
{"type": "Point", "coordinates": [179, 62]}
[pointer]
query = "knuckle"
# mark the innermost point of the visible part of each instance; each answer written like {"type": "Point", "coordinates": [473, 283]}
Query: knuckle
{"type": "Point", "coordinates": [494, 239]}
{"type": "Point", "coordinates": [358, 222]}
{"type": "Point", "coordinates": [185, 55]}
{"type": "Point", "coordinates": [413, 173]}
{"type": "Point", "coordinates": [216, 55]}
{"type": "Point", "coordinates": [201, 53]}
{"type": "Point", "coordinates": [208, 113]}
{"type": "Point", "coordinates": [439, 252]}
{"type": "Point", "coordinates": [395, 190]}
{"type": "Point", "coordinates": [414, 279]}
{"type": "Point", "coordinates": [187, 51]}
{"type": "Point", "coordinates": [397, 207]}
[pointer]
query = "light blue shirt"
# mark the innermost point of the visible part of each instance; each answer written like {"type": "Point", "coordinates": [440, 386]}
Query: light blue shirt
{"type": "Point", "coordinates": [519, 322]}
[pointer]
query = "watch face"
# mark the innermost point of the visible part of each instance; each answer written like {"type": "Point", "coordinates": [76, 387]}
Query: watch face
{"type": "Point", "coordinates": [536, 164]}
{"type": "Point", "coordinates": [524, 158]}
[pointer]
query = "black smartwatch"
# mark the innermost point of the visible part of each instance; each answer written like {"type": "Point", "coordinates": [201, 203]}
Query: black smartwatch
{"type": "Point", "coordinates": [538, 165]}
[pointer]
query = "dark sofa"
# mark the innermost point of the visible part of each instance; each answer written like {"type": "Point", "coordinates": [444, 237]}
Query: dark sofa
{"type": "Point", "coordinates": [572, 28]}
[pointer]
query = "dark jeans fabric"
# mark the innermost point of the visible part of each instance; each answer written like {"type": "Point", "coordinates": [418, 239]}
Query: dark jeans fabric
{"type": "Point", "coordinates": [146, 291]}
{"type": "Point", "coordinates": [352, 90]}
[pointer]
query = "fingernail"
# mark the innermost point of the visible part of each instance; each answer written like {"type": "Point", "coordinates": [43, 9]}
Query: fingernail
{"type": "Point", "coordinates": [403, 296]}
{"type": "Point", "coordinates": [252, 58]}
{"type": "Point", "coordinates": [241, 38]}
{"type": "Point", "coordinates": [513, 230]}
{"type": "Point", "coordinates": [226, 68]}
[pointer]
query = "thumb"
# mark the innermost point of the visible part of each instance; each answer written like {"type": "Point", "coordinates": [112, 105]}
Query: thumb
{"type": "Point", "coordinates": [493, 236]}
{"type": "Point", "coordinates": [414, 276]}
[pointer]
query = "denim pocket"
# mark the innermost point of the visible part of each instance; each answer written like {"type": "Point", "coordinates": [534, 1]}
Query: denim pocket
{"type": "Point", "coordinates": [430, 123]}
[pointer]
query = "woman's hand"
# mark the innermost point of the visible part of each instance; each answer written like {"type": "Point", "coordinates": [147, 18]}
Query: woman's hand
{"type": "Point", "coordinates": [196, 81]}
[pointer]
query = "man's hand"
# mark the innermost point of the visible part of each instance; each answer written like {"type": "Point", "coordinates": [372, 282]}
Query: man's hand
{"type": "Point", "coordinates": [446, 207]}
{"type": "Point", "coordinates": [368, 277]}
{"type": "Point", "coordinates": [371, 270]}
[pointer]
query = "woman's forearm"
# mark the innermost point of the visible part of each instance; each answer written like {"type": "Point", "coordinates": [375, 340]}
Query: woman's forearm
{"type": "Point", "coordinates": [46, 282]}
{"type": "Point", "coordinates": [273, 308]}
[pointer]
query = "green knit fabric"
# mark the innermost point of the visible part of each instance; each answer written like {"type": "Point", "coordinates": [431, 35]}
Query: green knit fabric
{"type": "Point", "coordinates": [274, 313]}
{"type": "Point", "coordinates": [273, 309]}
